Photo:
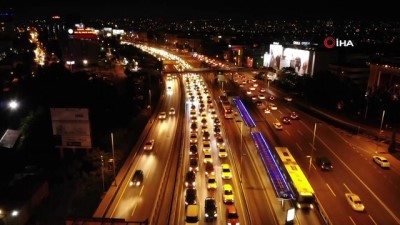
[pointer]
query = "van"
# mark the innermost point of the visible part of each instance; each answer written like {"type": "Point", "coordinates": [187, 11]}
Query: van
{"type": "Point", "coordinates": [192, 215]}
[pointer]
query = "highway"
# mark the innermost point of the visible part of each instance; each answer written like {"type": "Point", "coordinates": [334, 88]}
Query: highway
{"type": "Point", "coordinates": [353, 170]}
{"type": "Point", "coordinates": [162, 195]}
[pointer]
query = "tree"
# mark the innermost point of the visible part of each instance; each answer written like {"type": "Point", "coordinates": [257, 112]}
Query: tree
{"type": "Point", "coordinates": [392, 145]}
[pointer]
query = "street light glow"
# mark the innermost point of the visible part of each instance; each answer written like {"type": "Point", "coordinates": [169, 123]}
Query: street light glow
{"type": "Point", "coordinates": [13, 104]}
{"type": "Point", "coordinates": [14, 213]}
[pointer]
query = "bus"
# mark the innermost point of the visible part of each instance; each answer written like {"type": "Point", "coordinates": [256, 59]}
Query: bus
{"type": "Point", "coordinates": [301, 188]}
{"type": "Point", "coordinates": [226, 105]}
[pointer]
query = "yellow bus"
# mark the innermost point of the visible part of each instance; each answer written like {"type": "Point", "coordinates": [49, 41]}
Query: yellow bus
{"type": "Point", "coordinates": [302, 190]}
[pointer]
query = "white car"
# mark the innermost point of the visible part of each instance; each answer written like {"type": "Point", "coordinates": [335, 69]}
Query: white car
{"type": "Point", "coordinates": [263, 90]}
{"type": "Point", "coordinates": [381, 161]}
{"type": "Point", "coordinates": [162, 115]}
{"type": "Point", "coordinates": [288, 98]}
{"type": "Point", "coordinates": [149, 145]}
{"type": "Point", "coordinates": [261, 97]}
{"type": "Point", "coordinates": [172, 111]}
{"type": "Point", "coordinates": [272, 106]}
{"type": "Point", "coordinates": [355, 202]}
{"type": "Point", "coordinates": [277, 126]}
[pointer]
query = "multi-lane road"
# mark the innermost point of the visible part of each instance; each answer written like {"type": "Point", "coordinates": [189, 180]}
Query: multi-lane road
{"type": "Point", "coordinates": [160, 198]}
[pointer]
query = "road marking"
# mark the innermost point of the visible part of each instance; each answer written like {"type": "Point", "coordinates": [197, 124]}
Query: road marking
{"type": "Point", "coordinates": [352, 220]}
{"type": "Point", "coordinates": [331, 189]}
{"type": "Point", "coordinates": [141, 189]}
{"type": "Point", "coordinates": [372, 219]}
{"type": "Point", "coordinates": [133, 210]}
{"type": "Point", "coordinates": [299, 146]}
{"type": "Point", "coordinates": [301, 133]}
{"type": "Point", "coordinates": [287, 132]}
{"type": "Point", "coordinates": [347, 187]}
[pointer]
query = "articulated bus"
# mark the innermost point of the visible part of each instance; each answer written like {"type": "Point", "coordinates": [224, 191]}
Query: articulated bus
{"type": "Point", "coordinates": [227, 107]}
{"type": "Point", "coordinates": [302, 190]}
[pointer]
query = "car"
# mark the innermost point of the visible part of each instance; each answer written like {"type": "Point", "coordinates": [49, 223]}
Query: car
{"type": "Point", "coordinates": [226, 171]}
{"type": "Point", "coordinates": [222, 153]}
{"type": "Point", "coordinates": [193, 152]}
{"type": "Point", "coordinates": [294, 116]}
{"type": "Point", "coordinates": [324, 163]}
{"type": "Point", "coordinates": [286, 120]}
{"type": "Point", "coordinates": [207, 157]}
{"type": "Point", "coordinates": [137, 178]}
{"type": "Point", "coordinates": [259, 104]}
{"type": "Point", "coordinates": [194, 127]}
{"type": "Point", "coordinates": [277, 125]}
{"type": "Point", "coordinates": [204, 128]}
{"type": "Point", "coordinates": [252, 88]}
{"type": "Point", "coordinates": [203, 121]}
{"type": "Point", "coordinates": [210, 209]}
{"type": "Point", "coordinates": [206, 146]}
{"type": "Point", "coordinates": [206, 136]}
{"type": "Point", "coordinates": [217, 131]}
{"type": "Point", "coordinates": [171, 111]}
{"type": "Point", "coordinates": [267, 110]}
{"type": "Point", "coordinates": [288, 98]}
{"type": "Point", "coordinates": [162, 115]}
{"type": "Point", "coordinates": [272, 106]}
{"type": "Point", "coordinates": [190, 179]}
{"type": "Point", "coordinates": [212, 182]}
{"type": "Point", "coordinates": [192, 215]}
{"type": "Point", "coordinates": [209, 168]}
{"type": "Point", "coordinates": [271, 98]}
{"type": "Point", "coordinates": [227, 194]}
{"type": "Point", "coordinates": [217, 121]}
{"type": "Point", "coordinates": [193, 164]}
{"type": "Point", "coordinates": [213, 114]}
{"type": "Point", "coordinates": [191, 196]}
{"type": "Point", "coordinates": [355, 202]}
{"type": "Point", "coordinates": [261, 97]}
{"type": "Point", "coordinates": [148, 146]}
{"type": "Point", "coordinates": [219, 140]}
{"type": "Point", "coordinates": [232, 217]}
{"type": "Point", "coordinates": [381, 161]}
{"type": "Point", "coordinates": [193, 138]}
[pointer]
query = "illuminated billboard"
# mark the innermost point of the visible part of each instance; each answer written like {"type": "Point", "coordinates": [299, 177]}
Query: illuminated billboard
{"type": "Point", "coordinates": [297, 59]}
{"type": "Point", "coordinates": [273, 59]}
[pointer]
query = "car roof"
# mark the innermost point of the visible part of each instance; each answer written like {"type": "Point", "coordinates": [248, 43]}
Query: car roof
{"type": "Point", "coordinates": [380, 157]}
{"type": "Point", "coordinates": [227, 187]}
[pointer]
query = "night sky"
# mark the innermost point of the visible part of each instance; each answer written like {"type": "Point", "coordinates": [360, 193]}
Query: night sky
{"type": "Point", "coordinates": [264, 9]}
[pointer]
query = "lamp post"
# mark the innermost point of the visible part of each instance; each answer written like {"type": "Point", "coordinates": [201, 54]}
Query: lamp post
{"type": "Point", "coordinates": [313, 140]}
{"type": "Point", "coordinates": [102, 172]}
{"type": "Point", "coordinates": [309, 167]}
{"type": "Point", "coordinates": [380, 128]}
{"type": "Point", "coordinates": [113, 155]}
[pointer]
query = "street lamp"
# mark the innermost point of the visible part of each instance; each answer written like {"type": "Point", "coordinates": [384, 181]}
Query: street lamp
{"type": "Point", "coordinates": [113, 155]}
{"type": "Point", "coordinates": [102, 172]}
{"type": "Point", "coordinates": [13, 105]}
{"type": "Point", "coordinates": [309, 167]}
{"type": "Point", "coordinates": [380, 129]}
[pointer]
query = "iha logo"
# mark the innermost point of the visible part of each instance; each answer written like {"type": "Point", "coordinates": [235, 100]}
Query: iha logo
{"type": "Point", "coordinates": [331, 42]}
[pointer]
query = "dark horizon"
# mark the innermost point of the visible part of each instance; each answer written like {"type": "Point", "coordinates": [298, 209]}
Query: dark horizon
{"type": "Point", "coordinates": [204, 10]}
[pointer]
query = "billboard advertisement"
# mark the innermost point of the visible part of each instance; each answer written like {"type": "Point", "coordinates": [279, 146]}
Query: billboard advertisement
{"type": "Point", "coordinates": [71, 127]}
{"type": "Point", "coordinates": [273, 59]}
{"type": "Point", "coordinates": [297, 59]}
